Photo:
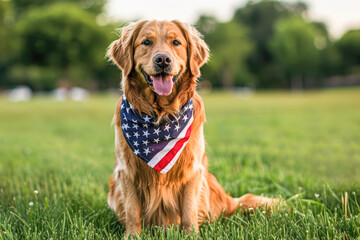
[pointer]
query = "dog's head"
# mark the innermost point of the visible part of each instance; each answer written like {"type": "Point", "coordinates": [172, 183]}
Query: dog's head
{"type": "Point", "coordinates": [159, 55]}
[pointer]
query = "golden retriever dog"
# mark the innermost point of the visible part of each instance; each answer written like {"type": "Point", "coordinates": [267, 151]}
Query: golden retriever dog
{"type": "Point", "coordinates": [160, 63]}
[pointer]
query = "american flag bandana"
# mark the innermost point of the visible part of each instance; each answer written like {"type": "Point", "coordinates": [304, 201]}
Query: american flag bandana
{"type": "Point", "coordinates": [158, 145]}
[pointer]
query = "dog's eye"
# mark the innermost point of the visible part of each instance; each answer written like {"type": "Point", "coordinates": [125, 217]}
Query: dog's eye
{"type": "Point", "coordinates": [147, 42]}
{"type": "Point", "coordinates": [176, 42]}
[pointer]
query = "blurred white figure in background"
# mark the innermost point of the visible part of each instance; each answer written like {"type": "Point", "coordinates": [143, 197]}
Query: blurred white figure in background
{"type": "Point", "coordinates": [60, 94]}
{"type": "Point", "coordinates": [244, 92]}
{"type": "Point", "coordinates": [78, 94]}
{"type": "Point", "coordinates": [20, 94]}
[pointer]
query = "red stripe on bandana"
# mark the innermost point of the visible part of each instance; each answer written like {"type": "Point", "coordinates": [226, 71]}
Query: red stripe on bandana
{"type": "Point", "coordinates": [171, 154]}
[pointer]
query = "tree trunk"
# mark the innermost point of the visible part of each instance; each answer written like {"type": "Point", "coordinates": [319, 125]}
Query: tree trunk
{"type": "Point", "coordinates": [227, 79]}
{"type": "Point", "coordinates": [297, 83]}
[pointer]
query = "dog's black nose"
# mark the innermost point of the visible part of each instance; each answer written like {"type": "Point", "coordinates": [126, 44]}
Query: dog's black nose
{"type": "Point", "coordinates": [162, 60]}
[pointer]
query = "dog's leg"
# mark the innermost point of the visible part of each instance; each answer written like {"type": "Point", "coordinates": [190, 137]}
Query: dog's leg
{"type": "Point", "coordinates": [189, 209]}
{"type": "Point", "coordinates": [220, 202]}
{"type": "Point", "coordinates": [115, 199]}
{"type": "Point", "coordinates": [132, 208]}
{"type": "Point", "coordinates": [249, 202]}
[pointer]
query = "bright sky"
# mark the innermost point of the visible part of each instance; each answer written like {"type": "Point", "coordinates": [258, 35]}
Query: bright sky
{"type": "Point", "coordinates": [338, 15]}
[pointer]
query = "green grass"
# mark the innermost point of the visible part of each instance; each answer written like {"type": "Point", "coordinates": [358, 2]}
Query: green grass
{"type": "Point", "coordinates": [304, 147]}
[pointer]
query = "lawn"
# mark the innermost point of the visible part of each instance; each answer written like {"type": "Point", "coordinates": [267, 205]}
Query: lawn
{"type": "Point", "coordinates": [56, 157]}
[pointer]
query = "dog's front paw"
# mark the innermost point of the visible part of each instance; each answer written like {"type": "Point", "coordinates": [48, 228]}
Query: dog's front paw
{"type": "Point", "coordinates": [132, 231]}
{"type": "Point", "coordinates": [130, 234]}
{"type": "Point", "coordinates": [190, 227]}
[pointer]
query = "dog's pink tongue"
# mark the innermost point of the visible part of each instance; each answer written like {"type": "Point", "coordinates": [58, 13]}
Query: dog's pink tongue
{"type": "Point", "coordinates": [162, 84]}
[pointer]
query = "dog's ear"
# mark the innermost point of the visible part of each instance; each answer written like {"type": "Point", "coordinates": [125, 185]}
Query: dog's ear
{"type": "Point", "coordinates": [121, 51]}
{"type": "Point", "coordinates": [197, 50]}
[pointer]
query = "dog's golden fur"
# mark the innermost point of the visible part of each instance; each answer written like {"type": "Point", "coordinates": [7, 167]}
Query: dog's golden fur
{"type": "Point", "coordinates": [187, 195]}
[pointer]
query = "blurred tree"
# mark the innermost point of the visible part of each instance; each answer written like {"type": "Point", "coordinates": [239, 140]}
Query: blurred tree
{"type": "Point", "coordinates": [329, 57]}
{"type": "Point", "coordinates": [6, 22]}
{"type": "Point", "coordinates": [206, 25]}
{"type": "Point", "coordinates": [59, 41]}
{"type": "Point", "coordinates": [260, 18]}
{"type": "Point", "coordinates": [7, 40]}
{"type": "Point", "coordinates": [229, 46]}
{"type": "Point", "coordinates": [295, 48]}
{"type": "Point", "coordinates": [349, 47]}
{"type": "Point", "coordinates": [94, 6]}
{"type": "Point", "coordinates": [3, 31]}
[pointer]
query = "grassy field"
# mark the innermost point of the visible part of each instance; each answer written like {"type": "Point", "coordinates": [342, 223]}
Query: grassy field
{"type": "Point", "coordinates": [56, 157]}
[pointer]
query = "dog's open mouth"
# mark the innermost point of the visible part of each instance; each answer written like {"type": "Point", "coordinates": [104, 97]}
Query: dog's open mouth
{"type": "Point", "coordinates": [161, 82]}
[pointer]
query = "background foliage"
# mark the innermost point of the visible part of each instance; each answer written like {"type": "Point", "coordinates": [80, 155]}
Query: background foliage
{"type": "Point", "coordinates": [267, 44]}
